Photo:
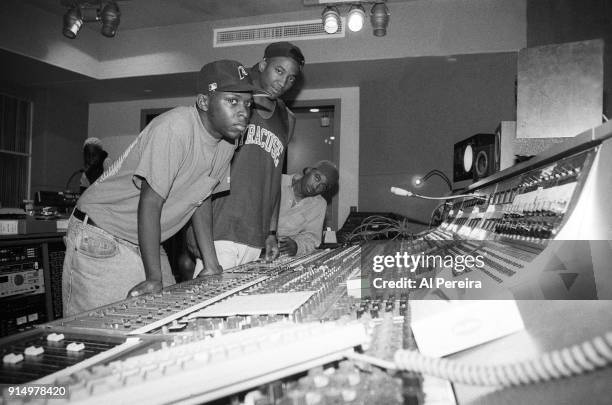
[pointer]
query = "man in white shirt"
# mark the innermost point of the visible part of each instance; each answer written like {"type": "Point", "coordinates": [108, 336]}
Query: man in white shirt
{"type": "Point", "coordinates": [302, 208]}
{"type": "Point", "coordinates": [300, 219]}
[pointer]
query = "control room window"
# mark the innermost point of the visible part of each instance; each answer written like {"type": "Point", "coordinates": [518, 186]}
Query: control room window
{"type": "Point", "coordinates": [15, 150]}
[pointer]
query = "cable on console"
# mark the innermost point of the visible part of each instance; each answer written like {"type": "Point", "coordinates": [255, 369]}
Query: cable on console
{"type": "Point", "coordinates": [377, 225]}
{"type": "Point", "coordinates": [574, 360]}
{"type": "Point", "coordinates": [405, 193]}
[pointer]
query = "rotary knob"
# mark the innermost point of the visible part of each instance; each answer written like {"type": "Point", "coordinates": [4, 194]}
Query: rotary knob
{"type": "Point", "coordinates": [18, 280]}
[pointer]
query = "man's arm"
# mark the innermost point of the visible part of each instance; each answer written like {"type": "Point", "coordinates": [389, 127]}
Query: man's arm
{"type": "Point", "coordinates": [272, 251]}
{"type": "Point", "coordinates": [149, 238]}
{"type": "Point", "coordinates": [308, 240]}
{"type": "Point", "coordinates": [272, 248]}
{"type": "Point", "coordinates": [202, 221]}
{"type": "Point", "coordinates": [290, 124]}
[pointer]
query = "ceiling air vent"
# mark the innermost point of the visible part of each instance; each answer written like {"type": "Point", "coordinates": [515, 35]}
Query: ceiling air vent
{"type": "Point", "coordinates": [287, 31]}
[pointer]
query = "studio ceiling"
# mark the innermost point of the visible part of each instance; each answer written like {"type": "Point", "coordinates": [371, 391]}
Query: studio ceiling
{"type": "Point", "coordinates": [158, 13]}
{"type": "Point", "coordinates": [19, 70]}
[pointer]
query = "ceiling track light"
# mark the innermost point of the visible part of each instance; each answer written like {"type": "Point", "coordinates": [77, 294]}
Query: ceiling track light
{"type": "Point", "coordinates": [331, 19]}
{"type": "Point", "coordinates": [82, 11]}
{"type": "Point", "coordinates": [110, 17]}
{"type": "Point", "coordinates": [73, 21]}
{"type": "Point", "coordinates": [356, 18]}
{"type": "Point", "coordinates": [379, 19]}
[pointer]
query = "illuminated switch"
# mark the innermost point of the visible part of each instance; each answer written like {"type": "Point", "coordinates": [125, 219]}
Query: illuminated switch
{"type": "Point", "coordinates": [55, 337]}
{"type": "Point", "coordinates": [12, 358]}
{"type": "Point", "coordinates": [33, 350]}
{"type": "Point", "coordinates": [75, 347]}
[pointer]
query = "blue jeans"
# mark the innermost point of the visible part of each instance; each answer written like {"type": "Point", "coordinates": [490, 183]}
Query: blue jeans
{"type": "Point", "coordinates": [100, 269]}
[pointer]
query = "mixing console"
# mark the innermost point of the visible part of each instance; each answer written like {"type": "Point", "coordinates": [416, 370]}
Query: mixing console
{"type": "Point", "coordinates": [529, 207]}
{"type": "Point", "coordinates": [526, 223]}
{"type": "Point", "coordinates": [208, 369]}
{"type": "Point", "coordinates": [271, 267]}
{"type": "Point", "coordinates": [164, 348]}
{"type": "Point", "coordinates": [523, 224]}
{"type": "Point", "coordinates": [35, 354]}
{"type": "Point", "coordinates": [379, 324]}
{"type": "Point", "coordinates": [144, 314]}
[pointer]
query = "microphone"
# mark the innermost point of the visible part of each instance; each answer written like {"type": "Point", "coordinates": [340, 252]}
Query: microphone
{"type": "Point", "coordinates": [401, 192]}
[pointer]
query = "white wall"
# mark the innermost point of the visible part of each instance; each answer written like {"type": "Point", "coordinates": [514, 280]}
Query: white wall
{"type": "Point", "coordinates": [117, 124]}
{"type": "Point", "coordinates": [348, 191]}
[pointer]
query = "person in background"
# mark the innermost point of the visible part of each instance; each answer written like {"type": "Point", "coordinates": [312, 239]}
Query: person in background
{"type": "Point", "coordinates": [301, 214]}
{"type": "Point", "coordinates": [95, 161]}
{"type": "Point", "coordinates": [163, 179]}
{"type": "Point", "coordinates": [302, 208]}
{"type": "Point", "coordinates": [245, 220]}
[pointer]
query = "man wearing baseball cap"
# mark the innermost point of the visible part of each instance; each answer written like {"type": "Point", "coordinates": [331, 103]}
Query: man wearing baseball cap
{"type": "Point", "coordinates": [163, 179]}
{"type": "Point", "coordinates": [245, 220]}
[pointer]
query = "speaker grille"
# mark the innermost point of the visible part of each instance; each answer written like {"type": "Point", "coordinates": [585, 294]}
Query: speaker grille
{"type": "Point", "coordinates": [288, 31]}
{"type": "Point", "coordinates": [485, 157]}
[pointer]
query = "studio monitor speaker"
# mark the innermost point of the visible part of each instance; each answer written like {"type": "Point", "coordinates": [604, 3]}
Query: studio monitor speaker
{"type": "Point", "coordinates": [476, 157]}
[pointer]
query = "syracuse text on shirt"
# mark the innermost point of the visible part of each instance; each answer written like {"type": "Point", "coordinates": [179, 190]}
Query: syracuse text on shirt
{"type": "Point", "coordinates": [266, 139]}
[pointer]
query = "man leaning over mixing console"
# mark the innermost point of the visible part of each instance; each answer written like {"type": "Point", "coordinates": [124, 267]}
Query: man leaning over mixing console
{"type": "Point", "coordinates": [301, 214]}
{"type": "Point", "coordinates": [245, 220]}
{"type": "Point", "coordinates": [302, 208]}
{"type": "Point", "coordinates": [164, 178]}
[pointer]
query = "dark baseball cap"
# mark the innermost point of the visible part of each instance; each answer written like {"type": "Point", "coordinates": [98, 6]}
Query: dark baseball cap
{"type": "Point", "coordinates": [286, 49]}
{"type": "Point", "coordinates": [224, 75]}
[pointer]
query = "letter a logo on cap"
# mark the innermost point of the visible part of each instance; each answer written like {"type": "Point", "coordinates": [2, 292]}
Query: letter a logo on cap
{"type": "Point", "coordinates": [242, 72]}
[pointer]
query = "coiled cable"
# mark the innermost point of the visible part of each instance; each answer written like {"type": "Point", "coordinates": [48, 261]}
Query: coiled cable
{"type": "Point", "coordinates": [574, 360]}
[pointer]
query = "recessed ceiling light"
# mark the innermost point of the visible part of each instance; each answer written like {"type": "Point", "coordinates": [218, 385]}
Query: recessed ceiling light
{"type": "Point", "coordinates": [314, 110]}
